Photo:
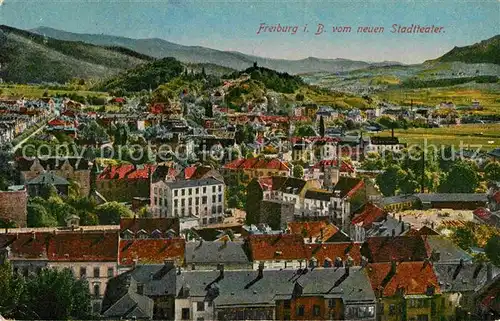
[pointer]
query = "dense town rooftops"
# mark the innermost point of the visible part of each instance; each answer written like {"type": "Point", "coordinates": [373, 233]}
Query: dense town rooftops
{"type": "Point", "coordinates": [53, 163]}
{"type": "Point", "coordinates": [399, 248]}
{"type": "Point", "coordinates": [344, 167]}
{"type": "Point", "coordinates": [318, 194]}
{"type": "Point", "coordinates": [370, 214]}
{"type": "Point", "coordinates": [345, 251]}
{"type": "Point", "coordinates": [313, 229]}
{"type": "Point", "coordinates": [193, 183]}
{"type": "Point", "coordinates": [276, 247]}
{"type": "Point", "coordinates": [348, 186]}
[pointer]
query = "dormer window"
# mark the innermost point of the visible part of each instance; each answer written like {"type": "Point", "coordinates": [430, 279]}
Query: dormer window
{"type": "Point", "coordinates": [142, 234]}
{"type": "Point", "coordinates": [128, 234]}
{"type": "Point", "coordinates": [156, 234]}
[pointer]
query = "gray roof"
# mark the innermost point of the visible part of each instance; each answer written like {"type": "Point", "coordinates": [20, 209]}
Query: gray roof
{"type": "Point", "coordinates": [48, 178]}
{"type": "Point", "coordinates": [385, 227]}
{"type": "Point", "coordinates": [121, 298]}
{"type": "Point", "coordinates": [452, 197]}
{"type": "Point", "coordinates": [462, 278]}
{"type": "Point", "coordinates": [244, 288]}
{"type": "Point", "coordinates": [398, 199]}
{"type": "Point", "coordinates": [215, 252]}
{"type": "Point", "coordinates": [449, 252]}
{"type": "Point", "coordinates": [193, 183]}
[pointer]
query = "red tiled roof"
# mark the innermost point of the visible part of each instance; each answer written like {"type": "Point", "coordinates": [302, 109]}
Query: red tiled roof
{"type": "Point", "coordinates": [189, 171]}
{"type": "Point", "coordinates": [413, 278]}
{"type": "Point", "coordinates": [88, 247]}
{"type": "Point", "coordinates": [277, 247]}
{"type": "Point", "coordinates": [151, 251]}
{"type": "Point", "coordinates": [371, 213]}
{"type": "Point", "coordinates": [126, 171]}
{"type": "Point", "coordinates": [399, 248]}
{"type": "Point", "coordinates": [149, 224]}
{"type": "Point", "coordinates": [56, 122]}
{"type": "Point", "coordinates": [256, 163]}
{"type": "Point", "coordinates": [26, 245]}
{"type": "Point", "coordinates": [344, 167]}
{"type": "Point", "coordinates": [333, 250]}
{"type": "Point", "coordinates": [313, 229]}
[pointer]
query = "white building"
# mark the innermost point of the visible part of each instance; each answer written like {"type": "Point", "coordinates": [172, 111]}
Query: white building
{"type": "Point", "coordinates": [201, 198]}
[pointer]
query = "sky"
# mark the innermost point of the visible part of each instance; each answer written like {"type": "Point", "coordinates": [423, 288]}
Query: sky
{"type": "Point", "coordinates": [233, 24]}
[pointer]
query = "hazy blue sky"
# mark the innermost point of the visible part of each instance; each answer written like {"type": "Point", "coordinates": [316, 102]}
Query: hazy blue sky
{"type": "Point", "coordinates": [233, 24]}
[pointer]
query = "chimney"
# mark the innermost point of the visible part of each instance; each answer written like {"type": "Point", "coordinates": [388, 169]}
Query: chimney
{"type": "Point", "coordinates": [347, 269]}
{"type": "Point", "coordinates": [178, 270]}
{"type": "Point", "coordinates": [33, 235]}
{"type": "Point", "coordinates": [432, 225]}
{"type": "Point", "coordinates": [261, 271]}
{"type": "Point", "coordinates": [393, 233]}
{"type": "Point", "coordinates": [400, 218]}
{"type": "Point", "coordinates": [134, 263]}
{"type": "Point", "coordinates": [489, 272]}
{"type": "Point", "coordinates": [393, 266]}
{"type": "Point", "coordinates": [402, 227]}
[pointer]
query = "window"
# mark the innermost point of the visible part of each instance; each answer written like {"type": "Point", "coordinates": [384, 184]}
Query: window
{"type": "Point", "coordinates": [316, 310]}
{"type": "Point", "coordinates": [301, 310]}
{"type": "Point", "coordinates": [204, 200]}
{"type": "Point", "coordinates": [97, 272]}
{"type": "Point", "coordinates": [197, 190]}
{"type": "Point", "coordinates": [220, 198]}
{"type": "Point", "coordinates": [176, 193]}
{"type": "Point", "coordinates": [185, 314]}
{"type": "Point", "coordinates": [97, 289]}
{"type": "Point", "coordinates": [200, 319]}
{"type": "Point", "coordinates": [111, 272]}
{"type": "Point", "coordinates": [200, 306]}
{"type": "Point", "coordinates": [190, 191]}
{"type": "Point", "coordinates": [183, 192]}
{"type": "Point", "coordinates": [392, 309]}
{"type": "Point", "coordinates": [190, 202]}
{"type": "Point", "coordinates": [197, 201]}
{"type": "Point", "coordinates": [332, 303]}
{"type": "Point", "coordinates": [422, 317]}
{"type": "Point", "coordinates": [204, 190]}
{"type": "Point", "coordinates": [83, 271]}
{"type": "Point", "coordinates": [176, 203]}
{"type": "Point", "coordinates": [286, 304]}
{"type": "Point", "coordinates": [220, 188]}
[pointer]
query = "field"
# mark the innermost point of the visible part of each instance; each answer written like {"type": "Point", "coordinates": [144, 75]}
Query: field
{"type": "Point", "coordinates": [486, 136]}
{"type": "Point", "coordinates": [488, 96]}
{"type": "Point", "coordinates": [35, 91]}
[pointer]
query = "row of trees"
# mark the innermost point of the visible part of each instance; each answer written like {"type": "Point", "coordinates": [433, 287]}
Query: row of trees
{"type": "Point", "coordinates": [407, 172]}
{"type": "Point", "coordinates": [49, 295]}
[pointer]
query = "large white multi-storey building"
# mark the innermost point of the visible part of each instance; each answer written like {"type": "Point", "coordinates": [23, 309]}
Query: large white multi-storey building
{"type": "Point", "coordinates": [201, 198]}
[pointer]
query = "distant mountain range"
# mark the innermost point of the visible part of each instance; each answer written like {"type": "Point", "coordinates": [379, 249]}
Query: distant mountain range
{"type": "Point", "coordinates": [27, 57]}
{"type": "Point", "coordinates": [486, 51]}
{"type": "Point", "coordinates": [159, 48]}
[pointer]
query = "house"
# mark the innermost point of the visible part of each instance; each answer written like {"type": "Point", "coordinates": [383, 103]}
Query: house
{"type": "Point", "coordinates": [339, 254]}
{"type": "Point", "coordinates": [149, 227]}
{"type": "Point", "coordinates": [348, 194]}
{"type": "Point", "coordinates": [201, 198]}
{"type": "Point", "coordinates": [37, 185]}
{"type": "Point", "coordinates": [122, 183]}
{"type": "Point", "coordinates": [13, 206]}
{"type": "Point", "coordinates": [75, 169]}
{"type": "Point", "coordinates": [313, 149]}
{"type": "Point", "coordinates": [328, 172]}
{"type": "Point", "coordinates": [145, 292]}
{"type": "Point", "coordinates": [275, 295]}
{"type": "Point", "coordinates": [399, 203]}
{"type": "Point", "coordinates": [443, 250]}
{"type": "Point", "coordinates": [256, 167]}
{"type": "Point", "coordinates": [281, 251]}
{"type": "Point", "coordinates": [89, 255]}
{"type": "Point", "coordinates": [203, 255]}
{"type": "Point", "coordinates": [459, 282]}
{"type": "Point", "coordinates": [406, 290]}
{"type": "Point", "coordinates": [150, 251]}
{"type": "Point", "coordinates": [362, 222]}
{"type": "Point", "coordinates": [279, 190]}
{"type": "Point", "coordinates": [382, 144]}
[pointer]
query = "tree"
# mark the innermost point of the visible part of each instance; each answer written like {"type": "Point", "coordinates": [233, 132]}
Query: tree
{"type": "Point", "coordinates": [372, 161]}
{"type": "Point", "coordinates": [492, 249]}
{"type": "Point", "coordinates": [298, 171]}
{"type": "Point", "coordinates": [462, 178]}
{"type": "Point", "coordinates": [389, 180]}
{"type": "Point", "coordinates": [11, 289]}
{"type": "Point", "coordinates": [321, 127]}
{"type": "Point", "coordinates": [38, 216]}
{"type": "Point", "coordinates": [409, 183]}
{"type": "Point", "coordinates": [58, 295]}
{"type": "Point", "coordinates": [111, 212]}
{"type": "Point", "coordinates": [492, 171]}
